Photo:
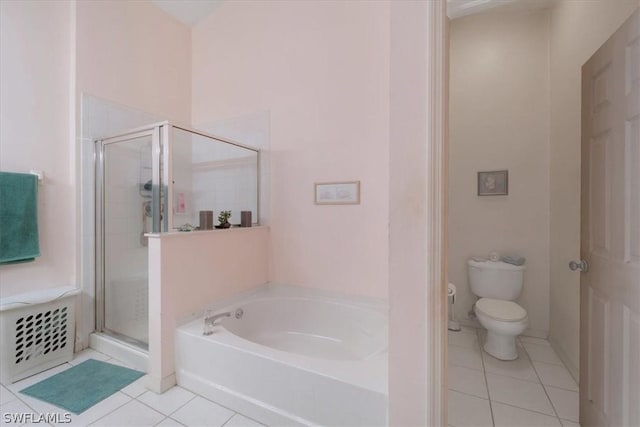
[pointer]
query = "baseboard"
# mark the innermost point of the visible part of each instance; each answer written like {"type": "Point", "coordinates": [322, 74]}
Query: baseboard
{"type": "Point", "coordinates": [535, 333]}
{"type": "Point", "coordinates": [472, 323]}
{"type": "Point", "coordinates": [160, 385]}
{"type": "Point", "coordinates": [573, 369]}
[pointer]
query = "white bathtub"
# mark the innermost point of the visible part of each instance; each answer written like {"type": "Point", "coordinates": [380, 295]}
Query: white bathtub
{"type": "Point", "coordinates": [295, 357]}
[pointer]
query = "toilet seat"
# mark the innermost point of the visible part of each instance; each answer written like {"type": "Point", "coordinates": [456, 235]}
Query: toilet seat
{"type": "Point", "coordinates": [504, 311]}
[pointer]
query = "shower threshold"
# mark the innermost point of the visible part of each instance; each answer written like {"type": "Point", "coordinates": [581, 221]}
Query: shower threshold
{"type": "Point", "coordinates": [116, 347]}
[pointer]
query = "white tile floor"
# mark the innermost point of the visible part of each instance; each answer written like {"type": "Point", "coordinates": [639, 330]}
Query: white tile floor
{"type": "Point", "coordinates": [134, 405]}
{"type": "Point", "coordinates": [533, 390]}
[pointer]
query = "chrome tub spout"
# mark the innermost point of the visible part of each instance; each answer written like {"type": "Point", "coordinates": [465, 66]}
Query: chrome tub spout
{"type": "Point", "coordinates": [210, 321]}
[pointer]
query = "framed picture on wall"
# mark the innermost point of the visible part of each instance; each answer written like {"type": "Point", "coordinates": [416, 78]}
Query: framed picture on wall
{"type": "Point", "coordinates": [337, 193]}
{"type": "Point", "coordinates": [493, 183]}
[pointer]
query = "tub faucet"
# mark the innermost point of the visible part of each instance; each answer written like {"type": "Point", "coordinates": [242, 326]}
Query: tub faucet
{"type": "Point", "coordinates": [210, 321]}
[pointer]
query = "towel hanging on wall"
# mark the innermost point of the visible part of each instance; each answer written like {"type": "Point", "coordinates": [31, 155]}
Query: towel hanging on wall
{"type": "Point", "coordinates": [18, 217]}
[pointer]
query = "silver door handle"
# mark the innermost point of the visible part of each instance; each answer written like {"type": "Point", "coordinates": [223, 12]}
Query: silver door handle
{"type": "Point", "coordinates": [581, 265]}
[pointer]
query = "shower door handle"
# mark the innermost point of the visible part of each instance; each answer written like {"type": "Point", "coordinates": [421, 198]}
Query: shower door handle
{"type": "Point", "coordinates": [146, 213]}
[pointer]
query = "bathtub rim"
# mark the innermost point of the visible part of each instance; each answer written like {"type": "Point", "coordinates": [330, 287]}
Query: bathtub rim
{"type": "Point", "coordinates": [353, 372]}
{"type": "Point", "coordinates": [274, 289]}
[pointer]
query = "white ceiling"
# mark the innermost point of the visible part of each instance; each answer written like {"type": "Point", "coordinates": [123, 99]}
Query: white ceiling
{"type": "Point", "coordinates": [460, 8]}
{"type": "Point", "coordinates": [192, 11]}
{"type": "Point", "coordinates": [188, 11]}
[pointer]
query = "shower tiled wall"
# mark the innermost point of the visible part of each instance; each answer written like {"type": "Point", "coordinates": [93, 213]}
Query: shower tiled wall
{"type": "Point", "coordinates": [252, 130]}
{"type": "Point", "coordinates": [211, 175]}
{"type": "Point", "coordinates": [228, 187]}
{"type": "Point", "coordinates": [126, 265]}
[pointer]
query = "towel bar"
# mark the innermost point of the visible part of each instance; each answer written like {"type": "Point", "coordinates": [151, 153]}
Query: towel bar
{"type": "Point", "coordinates": [39, 174]}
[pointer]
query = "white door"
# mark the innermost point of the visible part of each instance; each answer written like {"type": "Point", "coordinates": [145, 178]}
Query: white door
{"type": "Point", "coordinates": [610, 232]}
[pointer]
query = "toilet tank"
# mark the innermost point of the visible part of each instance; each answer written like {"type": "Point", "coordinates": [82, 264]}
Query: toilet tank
{"type": "Point", "coordinates": [489, 279]}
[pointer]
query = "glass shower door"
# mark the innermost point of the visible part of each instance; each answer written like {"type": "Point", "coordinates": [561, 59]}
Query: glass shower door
{"type": "Point", "coordinates": [128, 200]}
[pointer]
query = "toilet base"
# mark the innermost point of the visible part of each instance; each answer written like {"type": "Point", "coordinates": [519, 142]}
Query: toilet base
{"type": "Point", "coordinates": [501, 346]}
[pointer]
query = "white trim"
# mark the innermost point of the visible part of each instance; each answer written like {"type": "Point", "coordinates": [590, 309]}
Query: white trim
{"type": "Point", "coordinates": [568, 363]}
{"type": "Point", "coordinates": [418, 132]}
{"type": "Point", "coordinates": [437, 205]}
{"type": "Point", "coordinates": [160, 385]}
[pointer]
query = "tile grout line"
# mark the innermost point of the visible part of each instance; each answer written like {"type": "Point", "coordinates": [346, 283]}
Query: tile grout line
{"type": "Point", "coordinates": [561, 388]}
{"type": "Point", "coordinates": [500, 374]}
{"type": "Point", "coordinates": [193, 398]}
{"type": "Point", "coordinates": [130, 399]}
{"type": "Point", "coordinates": [466, 367]}
{"type": "Point", "coordinates": [169, 418]}
{"type": "Point", "coordinates": [226, 422]}
{"type": "Point", "coordinates": [466, 348]}
{"type": "Point", "coordinates": [527, 409]}
{"type": "Point", "coordinates": [110, 412]}
{"type": "Point", "coordinates": [242, 415]}
{"type": "Point", "coordinates": [17, 393]}
{"type": "Point", "coordinates": [177, 409]}
{"type": "Point", "coordinates": [460, 346]}
{"type": "Point", "coordinates": [468, 394]}
{"type": "Point", "coordinates": [219, 404]}
{"type": "Point", "coordinates": [136, 398]}
{"type": "Point", "coordinates": [555, 386]}
{"type": "Point", "coordinates": [559, 363]}
{"type": "Point", "coordinates": [533, 382]}
{"type": "Point", "coordinates": [543, 387]}
{"type": "Point", "coordinates": [538, 380]}
{"type": "Point", "coordinates": [12, 394]}
{"type": "Point", "coordinates": [17, 396]}
{"type": "Point", "coordinates": [486, 381]}
{"type": "Point", "coordinates": [169, 415]}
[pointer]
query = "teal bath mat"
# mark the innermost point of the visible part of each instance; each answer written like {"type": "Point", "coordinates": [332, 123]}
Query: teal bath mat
{"type": "Point", "coordinates": [82, 386]}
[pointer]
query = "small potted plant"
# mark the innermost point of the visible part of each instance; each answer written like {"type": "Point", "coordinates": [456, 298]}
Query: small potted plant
{"type": "Point", "coordinates": [223, 218]}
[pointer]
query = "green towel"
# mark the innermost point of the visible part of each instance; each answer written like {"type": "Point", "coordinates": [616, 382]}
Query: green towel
{"type": "Point", "coordinates": [18, 217]}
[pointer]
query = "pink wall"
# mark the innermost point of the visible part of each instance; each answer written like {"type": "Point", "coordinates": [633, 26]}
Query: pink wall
{"type": "Point", "coordinates": [36, 132]}
{"type": "Point", "coordinates": [126, 51]}
{"type": "Point", "coordinates": [321, 69]}
{"type": "Point", "coordinates": [133, 53]}
{"type": "Point", "coordinates": [187, 272]}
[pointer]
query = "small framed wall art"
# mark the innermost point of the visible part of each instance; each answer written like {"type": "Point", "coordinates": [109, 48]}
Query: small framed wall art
{"type": "Point", "coordinates": [337, 193]}
{"type": "Point", "coordinates": [493, 183]}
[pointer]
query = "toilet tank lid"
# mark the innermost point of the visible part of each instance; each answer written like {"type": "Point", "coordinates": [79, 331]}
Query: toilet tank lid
{"type": "Point", "coordinates": [495, 265]}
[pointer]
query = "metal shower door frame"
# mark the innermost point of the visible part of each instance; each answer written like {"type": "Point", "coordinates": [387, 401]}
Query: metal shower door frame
{"type": "Point", "coordinates": [158, 179]}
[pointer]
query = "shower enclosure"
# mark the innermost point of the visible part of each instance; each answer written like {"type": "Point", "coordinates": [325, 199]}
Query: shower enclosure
{"type": "Point", "coordinates": [156, 179]}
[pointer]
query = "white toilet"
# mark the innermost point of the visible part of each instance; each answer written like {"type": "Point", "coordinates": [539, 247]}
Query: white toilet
{"type": "Point", "coordinates": [498, 284]}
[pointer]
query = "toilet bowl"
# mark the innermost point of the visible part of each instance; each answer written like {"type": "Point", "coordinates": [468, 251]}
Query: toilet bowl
{"type": "Point", "coordinates": [504, 321]}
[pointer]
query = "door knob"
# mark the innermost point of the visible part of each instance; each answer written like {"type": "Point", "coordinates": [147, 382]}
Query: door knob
{"type": "Point", "coordinates": [581, 265]}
